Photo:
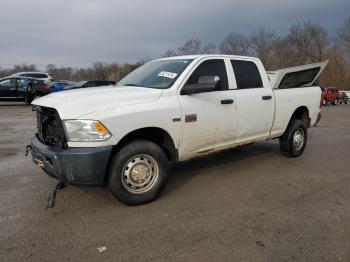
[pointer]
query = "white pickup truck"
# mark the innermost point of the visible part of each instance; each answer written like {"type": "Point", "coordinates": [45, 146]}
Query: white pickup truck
{"type": "Point", "coordinates": [170, 110]}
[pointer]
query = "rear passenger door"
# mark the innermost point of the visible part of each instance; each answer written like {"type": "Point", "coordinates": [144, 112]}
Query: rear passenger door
{"type": "Point", "coordinates": [254, 101]}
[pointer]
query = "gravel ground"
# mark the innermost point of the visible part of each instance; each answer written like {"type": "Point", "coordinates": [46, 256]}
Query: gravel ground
{"type": "Point", "coordinates": [248, 204]}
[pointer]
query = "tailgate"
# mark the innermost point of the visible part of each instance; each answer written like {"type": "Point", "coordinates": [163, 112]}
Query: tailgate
{"type": "Point", "coordinates": [297, 76]}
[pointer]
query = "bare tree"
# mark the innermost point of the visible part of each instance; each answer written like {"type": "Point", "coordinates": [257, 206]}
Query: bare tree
{"type": "Point", "coordinates": [170, 53]}
{"type": "Point", "coordinates": [337, 72]}
{"type": "Point", "coordinates": [344, 37]}
{"type": "Point", "coordinates": [284, 55]}
{"type": "Point", "coordinates": [309, 41]}
{"type": "Point", "coordinates": [192, 47]}
{"type": "Point", "coordinates": [235, 44]}
{"type": "Point", "coordinates": [262, 42]}
{"type": "Point", "coordinates": [209, 49]}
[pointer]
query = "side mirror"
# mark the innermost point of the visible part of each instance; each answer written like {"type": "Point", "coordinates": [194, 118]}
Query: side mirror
{"type": "Point", "coordinates": [204, 84]}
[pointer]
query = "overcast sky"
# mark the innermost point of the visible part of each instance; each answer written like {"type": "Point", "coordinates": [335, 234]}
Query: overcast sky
{"type": "Point", "coordinates": [78, 33]}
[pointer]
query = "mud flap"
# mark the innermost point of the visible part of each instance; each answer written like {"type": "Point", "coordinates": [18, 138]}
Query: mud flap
{"type": "Point", "coordinates": [51, 200]}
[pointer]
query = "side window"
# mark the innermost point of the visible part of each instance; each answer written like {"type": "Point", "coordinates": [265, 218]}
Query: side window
{"type": "Point", "coordinates": [6, 84]}
{"type": "Point", "coordinates": [41, 76]}
{"type": "Point", "coordinates": [210, 69]}
{"type": "Point", "coordinates": [100, 83]}
{"type": "Point", "coordinates": [22, 83]}
{"type": "Point", "coordinates": [90, 84]}
{"type": "Point", "coordinates": [247, 74]}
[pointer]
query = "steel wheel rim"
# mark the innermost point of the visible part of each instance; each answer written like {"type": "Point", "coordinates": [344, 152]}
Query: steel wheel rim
{"type": "Point", "coordinates": [298, 139]}
{"type": "Point", "coordinates": [140, 173]}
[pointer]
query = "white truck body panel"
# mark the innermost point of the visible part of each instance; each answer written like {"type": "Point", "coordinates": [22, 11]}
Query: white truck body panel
{"type": "Point", "coordinates": [250, 118]}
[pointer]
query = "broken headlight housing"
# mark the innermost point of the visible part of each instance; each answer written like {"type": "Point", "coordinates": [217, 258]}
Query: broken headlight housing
{"type": "Point", "coordinates": [86, 131]}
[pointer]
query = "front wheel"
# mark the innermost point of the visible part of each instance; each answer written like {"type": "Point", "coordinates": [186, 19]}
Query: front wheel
{"type": "Point", "coordinates": [138, 172]}
{"type": "Point", "coordinates": [293, 141]}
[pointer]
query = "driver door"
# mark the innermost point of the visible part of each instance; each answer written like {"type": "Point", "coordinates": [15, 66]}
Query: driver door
{"type": "Point", "coordinates": [8, 88]}
{"type": "Point", "coordinates": [208, 117]}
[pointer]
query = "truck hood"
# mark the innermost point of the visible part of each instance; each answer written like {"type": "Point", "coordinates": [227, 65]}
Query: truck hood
{"type": "Point", "coordinates": [72, 104]}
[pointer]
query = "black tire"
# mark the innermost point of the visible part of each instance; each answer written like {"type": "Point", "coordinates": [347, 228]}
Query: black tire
{"type": "Point", "coordinates": [154, 159]}
{"type": "Point", "coordinates": [28, 100]}
{"type": "Point", "coordinates": [335, 102]}
{"type": "Point", "coordinates": [287, 146]}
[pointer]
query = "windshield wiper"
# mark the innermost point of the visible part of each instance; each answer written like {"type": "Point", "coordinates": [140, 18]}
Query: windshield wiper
{"type": "Point", "coordinates": [130, 85]}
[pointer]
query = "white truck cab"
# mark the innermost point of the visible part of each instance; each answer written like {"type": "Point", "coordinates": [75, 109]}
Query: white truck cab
{"type": "Point", "coordinates": [170, 110]}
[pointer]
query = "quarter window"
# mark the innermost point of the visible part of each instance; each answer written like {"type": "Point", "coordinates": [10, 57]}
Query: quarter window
{"type": "Point", "coordinates": [247, 74]}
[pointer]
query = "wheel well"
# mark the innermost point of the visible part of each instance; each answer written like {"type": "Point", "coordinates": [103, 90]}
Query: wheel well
{"type": "Point", "coordinates": [156, 135]}
{"type": "Point", "coordinates": [302, 113]}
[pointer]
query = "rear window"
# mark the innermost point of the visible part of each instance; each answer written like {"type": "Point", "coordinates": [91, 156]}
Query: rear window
{"type": "Point", "coordinates": [35, 75]}
{"type": "Point", "coordinates": [299, 79]}
{"type": "Point", "coordinates": [247, 74]}
{"type": "Point", "coordinates": [101, 83]}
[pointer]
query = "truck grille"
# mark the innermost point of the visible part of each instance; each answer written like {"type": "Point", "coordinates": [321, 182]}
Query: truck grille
{"type": "Point", "coordinates": [50, 128]}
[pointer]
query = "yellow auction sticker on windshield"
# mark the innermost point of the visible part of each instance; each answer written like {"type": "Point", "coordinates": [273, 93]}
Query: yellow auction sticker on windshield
{"type": "Point", "coordinates": [167, 74]}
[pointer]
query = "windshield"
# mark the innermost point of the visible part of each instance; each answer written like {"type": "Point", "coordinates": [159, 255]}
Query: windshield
{"type": "Point", "coordinates": [79, 84]}
{"type": "Point", "coordinates": [156, 74]}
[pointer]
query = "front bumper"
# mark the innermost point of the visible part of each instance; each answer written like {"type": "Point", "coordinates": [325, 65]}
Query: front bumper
{"type": "Point", "coordinates": [76, 166]}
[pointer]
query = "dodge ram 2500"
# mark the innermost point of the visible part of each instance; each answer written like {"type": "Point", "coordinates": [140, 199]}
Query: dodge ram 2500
{"type": "Point", "coordinates": [170, 110]}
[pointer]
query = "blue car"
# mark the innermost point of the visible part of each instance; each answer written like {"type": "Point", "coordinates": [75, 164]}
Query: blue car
{"type": "Point", "coordinates": [60, 86]}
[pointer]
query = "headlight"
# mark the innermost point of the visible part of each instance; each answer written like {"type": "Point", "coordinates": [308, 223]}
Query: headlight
{"type": "Point", "coordinates": [86, 131]}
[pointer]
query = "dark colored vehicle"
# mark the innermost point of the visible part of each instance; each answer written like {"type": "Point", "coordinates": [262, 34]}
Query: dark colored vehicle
{"type": "Point", "coordinates": [61, 85]}
{"type": "Point", "coordinates": [344, 98]}
{"type": "Point", "coordinates": [91, 83]}
{"type": "Point", "coordinates": [330, 95]}
{"type": "Point", "coordinates": [23, 88]}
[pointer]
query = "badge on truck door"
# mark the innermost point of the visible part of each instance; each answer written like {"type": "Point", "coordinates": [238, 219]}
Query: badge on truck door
{"type": "Point", "coordinates": [190, 118]}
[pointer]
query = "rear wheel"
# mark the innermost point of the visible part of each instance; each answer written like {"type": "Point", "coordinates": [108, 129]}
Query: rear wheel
{"type": "Point", "coordinates": [293, 141]}
{"type": "Point", "coordinates": [138, 172]}
{"type": "Point", "coordinates": [335, 102]}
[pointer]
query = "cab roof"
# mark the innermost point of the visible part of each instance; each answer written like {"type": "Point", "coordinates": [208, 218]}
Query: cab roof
{"type": "Point", "coordinates": [200, 56]}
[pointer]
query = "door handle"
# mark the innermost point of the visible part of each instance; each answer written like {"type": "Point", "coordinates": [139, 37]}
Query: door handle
{"type": "Point", "coordinates": [266, 97]}
{"type": "Point", "coordinates": [227, 101]}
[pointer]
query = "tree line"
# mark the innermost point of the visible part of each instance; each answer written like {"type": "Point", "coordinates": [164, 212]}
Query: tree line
{"type": "Point", "coordinates": [306, 42]}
